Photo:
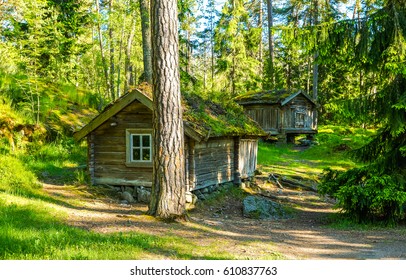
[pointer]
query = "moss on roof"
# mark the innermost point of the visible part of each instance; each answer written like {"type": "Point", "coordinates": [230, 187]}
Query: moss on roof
{"type": "Point", "coordinates": [270, 96]}
{"type": "Point", "coordinates": [212, 119]}
{"type": "Point", "coordinates": [203, 116]}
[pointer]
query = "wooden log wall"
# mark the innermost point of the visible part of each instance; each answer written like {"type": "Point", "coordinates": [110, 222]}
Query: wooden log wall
{"type": "Point", "coordinates": [110, 148]}
{"type": "Point", "coordinates": [298, 105]}
{"type": "Point", "coordinates": [248, 157]}
{"type": "Point", "coordinates": [267, 116]}
{"type": "Point", "coordinates": [214, 162]}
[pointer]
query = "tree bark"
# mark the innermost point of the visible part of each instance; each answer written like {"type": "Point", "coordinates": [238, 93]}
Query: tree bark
{"type": "Point", "coordinates": [315, 64]}
{"type": "Point", "coordinates": [168, 188]}
{"type": "Point", "coordinates": [146, 39]}
{"type": "Point", "coordinates": [112, 62]}
{"type": "Point", "coordinates": [105, 70]}
{"type": "Point", "coordinates": [128, 66]}
{"type": "Point", "coordinates": [270, 42]}
{"type": "Point", "coordinates": [260, 51]}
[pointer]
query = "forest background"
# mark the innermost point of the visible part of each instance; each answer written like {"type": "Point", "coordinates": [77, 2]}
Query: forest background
{"type": "Point", "coordinates": [63, 60]}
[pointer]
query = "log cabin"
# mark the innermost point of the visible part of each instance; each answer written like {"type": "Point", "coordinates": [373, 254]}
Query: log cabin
{"type": "Point", "coordinates": [220, 145]}
{"type": "Point", "coordinates": [282, 113]}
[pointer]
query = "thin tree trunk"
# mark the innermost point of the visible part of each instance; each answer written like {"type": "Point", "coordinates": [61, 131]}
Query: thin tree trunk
{"type": "Point", "coordinates": [315, 64]}
{"type": "Point", "coordinates": [270, 42]}
{"type": "Point", "coordinates": [168, 198]}
{"type": "Point", "coordinates": [146, 39]}
{"type": "Point", "coordinates": [112, 62]}
{"type": "Point", "coordinates": [104, 63]}
{"type": "Point", "coordinates": [119, 60]}
{"type": "Point", "coordinates": [260, 51]}
{"type": "Point", "coordinates": [128, 67]}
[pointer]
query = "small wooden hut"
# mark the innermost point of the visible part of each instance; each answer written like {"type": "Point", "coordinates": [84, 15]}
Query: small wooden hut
{"type": "Point", "coordinates": [282, 113]}
{"type": "Point", "coordinates": [220, 146]}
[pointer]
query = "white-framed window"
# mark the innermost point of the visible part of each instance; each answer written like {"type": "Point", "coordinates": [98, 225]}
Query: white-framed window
{"type": "Point", "coordinates": [139, 147]}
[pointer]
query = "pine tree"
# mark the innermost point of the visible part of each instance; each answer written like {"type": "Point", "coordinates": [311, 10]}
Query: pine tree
{"type": "Point", "coordinates": [379, 189]}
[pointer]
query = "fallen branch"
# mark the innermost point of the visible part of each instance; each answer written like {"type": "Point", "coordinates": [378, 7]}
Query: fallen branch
{"type": "Point", "coordinates": [276, 180]}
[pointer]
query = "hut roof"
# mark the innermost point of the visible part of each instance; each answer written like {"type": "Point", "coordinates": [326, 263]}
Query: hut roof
{"type": "Point", "coordinates": [281, 96]}
{"type": "Point", "coordinates": [202, 118]}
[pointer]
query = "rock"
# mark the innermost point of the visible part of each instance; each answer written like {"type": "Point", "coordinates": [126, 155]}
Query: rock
{"type": "Point", "coordinates": [191, 198]}
{"type": "Point", "coordinates": [129, 190]}
{"type": "Point", "coordinates": [262, 208]}
{"type": "Point", "coordinates": [127, 196]}
{"type": "Point", "coordinates": [200, 195]}
{"type": "Point", "coordinates": [143, 195]}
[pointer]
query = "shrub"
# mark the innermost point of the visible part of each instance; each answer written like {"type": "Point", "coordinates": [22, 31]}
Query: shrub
{"type": "Point", "coordinates": [15, 178]}
{"type": "Point", "coordinates": [366, 194]}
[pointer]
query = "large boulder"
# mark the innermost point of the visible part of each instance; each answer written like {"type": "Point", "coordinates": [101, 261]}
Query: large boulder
{"type": "Point", "coordinates": [262, 208]}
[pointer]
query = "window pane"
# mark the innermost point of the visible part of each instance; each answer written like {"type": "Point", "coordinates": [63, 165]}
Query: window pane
{"type": "Point", "coordinates": [136, 154]}
{"type": "Point", "coordinates": [146, 140]}
{"type": "Point", "coordinates": [146, 154]}
{"type": "Point", "coordinates": [136, 140]}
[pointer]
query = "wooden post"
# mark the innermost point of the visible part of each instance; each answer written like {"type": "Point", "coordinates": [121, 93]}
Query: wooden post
{"type": "Point", "coordinates": [192, 165]}
{"type": "Point", "coordinates": [237, 172]}
{"type": "Point", "coordinates": [90, 156]}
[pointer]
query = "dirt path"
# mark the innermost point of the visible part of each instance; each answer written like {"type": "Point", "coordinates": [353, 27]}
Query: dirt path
{"type": "Point", "coordinates": [306, 236]}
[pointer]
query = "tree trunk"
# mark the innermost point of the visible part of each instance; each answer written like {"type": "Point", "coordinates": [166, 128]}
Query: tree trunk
{"type": "Point", "coordinates": [146, 39]}
{"type": "Point", "coordinates": [168, 188]}
{"type": "Point", "coordinates": [112, 62]}
{"type": "Point", "coordinates": [315, 64]}
{"type": "Point", "coordinates": [106, 74]}
{"type": "Point", "coordinates": [271, 45]}
{"type": "Point", "coordinates": [129, 81]}
{"type": "Point", "coordinates": [260, 51]}
{"type": "Point", "coordinates": [120, 53]}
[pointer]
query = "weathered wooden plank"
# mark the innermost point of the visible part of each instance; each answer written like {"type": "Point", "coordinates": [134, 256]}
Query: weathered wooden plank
{"type": "Point", "coordinates": [122, 182]}
{"type": "Point", "coordinates": [104, 116]}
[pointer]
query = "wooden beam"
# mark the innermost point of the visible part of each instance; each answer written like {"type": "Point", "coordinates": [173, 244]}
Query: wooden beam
{"type": "Point", "coordinates": [104, 116]}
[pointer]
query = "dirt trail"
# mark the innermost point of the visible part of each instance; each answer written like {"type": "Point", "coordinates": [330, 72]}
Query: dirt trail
{"type": "Point", "coordinates": [306, 236]}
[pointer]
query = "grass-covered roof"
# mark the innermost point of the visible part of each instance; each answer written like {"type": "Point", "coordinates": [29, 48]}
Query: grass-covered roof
{"type": "Point", "coordinates": [280, 96]}
{"type": "Point", "coordinates": [203, 118]}
{"type": "Point", "coordinates": [213, 119]}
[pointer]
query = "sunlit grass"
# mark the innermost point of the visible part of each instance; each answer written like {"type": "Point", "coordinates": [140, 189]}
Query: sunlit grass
{"type": "Point", "coordinates": [33, 229]}
{"type": "Point", "coordinates": [333, 151]}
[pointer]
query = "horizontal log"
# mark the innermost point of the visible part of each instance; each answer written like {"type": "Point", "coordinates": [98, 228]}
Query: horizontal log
{"type": "Point", "coordinates": [203, 169]}
{"type": "Point", "coordinates": [121, 182]}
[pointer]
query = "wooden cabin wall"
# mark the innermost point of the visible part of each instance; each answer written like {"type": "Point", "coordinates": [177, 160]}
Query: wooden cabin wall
{"type": "Point", "coordinates": [267, 116]}
{"type": "Point", "coordinates": [214, 162]}
{"type": "Point", "coordinates": [110, 148]}
{"type": "Point", "coordinates": [248, 157]}
{"type": "Point", "coordinates": [298, 104]}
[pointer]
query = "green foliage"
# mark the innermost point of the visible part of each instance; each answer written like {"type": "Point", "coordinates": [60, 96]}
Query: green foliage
{"type": "Point", "coordinates": [31, 230]}
{"type": "Point", "coordinates": [15, 178]}
{"type": "Point", "coordinates": [211, 118]}
{"type": "Point", "coordinates": [335, 145]}
{"type": "Point", "coordinates": [365, 195]}
{"type": "Point", "coordinates": [60, 160]}
{"type": "Point", "coordinates": [58, 107]}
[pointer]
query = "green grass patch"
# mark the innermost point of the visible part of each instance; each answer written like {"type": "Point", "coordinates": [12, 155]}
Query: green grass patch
{"type": "Point", "coordinates": [16, 179]}
{"type": "Point", "coordinates": [29, 229]}
{"type": "Point", "coordinates": [61, 160]}
{"type": "Point", "coordinates": [334, 148]}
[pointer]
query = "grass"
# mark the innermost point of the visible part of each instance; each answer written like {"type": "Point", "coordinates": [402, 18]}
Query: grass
{"type": "Point", "coordinates": [32, 229]}
{"type": "Point", "coordinates": [333, 151]}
